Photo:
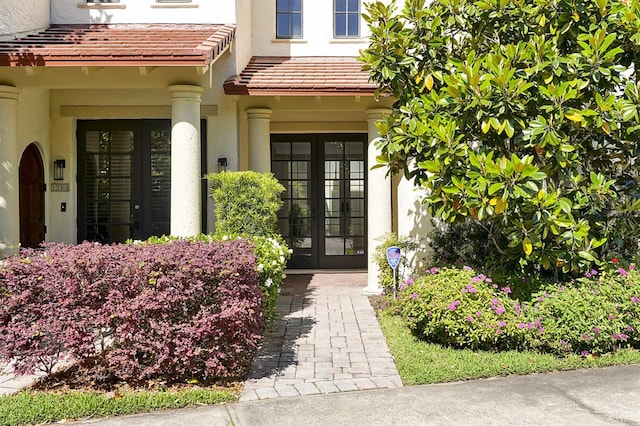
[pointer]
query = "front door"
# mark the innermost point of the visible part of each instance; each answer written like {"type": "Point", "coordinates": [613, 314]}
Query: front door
{"type": "Point", "coordinates": [323, 218]}
{"type": "Point", "coordinates": [32, 227]}
{"type": "Point", "coordinates": [124, 179]}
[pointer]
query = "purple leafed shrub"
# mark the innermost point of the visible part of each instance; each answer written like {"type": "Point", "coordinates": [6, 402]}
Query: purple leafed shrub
{"type": "Point", "coordinates": [133, 312]}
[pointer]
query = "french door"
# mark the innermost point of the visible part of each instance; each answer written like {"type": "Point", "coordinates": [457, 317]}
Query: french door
{"type": "Point", "coordinates": [124, 179]}
{"type": "Point", "coordinates": [323, 218]}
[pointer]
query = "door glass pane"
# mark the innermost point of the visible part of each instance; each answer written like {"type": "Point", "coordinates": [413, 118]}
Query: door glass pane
{"type": "Point", "coordinates": [359, 245]}
{"type": "Point", "coordinates": [281, 151]}
{"type": "Point", "coordinates": [121, 142]}
{"type": "Point", "coordinates": [356, 227]}
{"type": "Point", "coordinates": [160, 166]}
{"type": "Point", "coordinates": [280, 169]}
{"type": "Point", "coordinates": [301, 151]}
{"type": "Point", "coordinates": [333, 150]}
{"type": "Point", "coordinates": [120, 212]}
{"type": "Point", "coordinates": [299, 170]}
{"type": "Point", "coordinates": [344, 185]}
{"type": "Point", "coordinates": [121, 189]}
{"type": "Point", "coordinates": [291, 164]}
{"type": "Point", "coordinates": [333, 208]}
{"type": "Point", "coordinates": [120, 233]}
{"type": "Point", "coordinates": [334, 246]}
{"type": "Point", "coordinates": [109, 188]}
{"type": "Point", "coordinates": [299, 189]}
{"type": "Point", "coordinates": [121, 165]}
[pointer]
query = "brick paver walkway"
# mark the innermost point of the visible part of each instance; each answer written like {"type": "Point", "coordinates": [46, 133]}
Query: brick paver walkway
{"type": "Point", "coordinates": [325, 339]}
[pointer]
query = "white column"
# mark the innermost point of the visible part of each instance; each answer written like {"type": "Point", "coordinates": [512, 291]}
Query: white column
{"type": "Point", "coordinates": [186, 176]}
{"type": "Point", "coordinates": [9, 165]}
{"type": "Point", "coordinates": [379, 219]}
{"type": "Point", "coordinates": [259, 133]}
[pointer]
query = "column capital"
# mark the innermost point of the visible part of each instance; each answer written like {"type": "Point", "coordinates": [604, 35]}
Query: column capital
{"type": "Point", "coordinates": [376, 113]}
{"type": "Point", "coordinates": [185, 92]}
{"type": "Point", "coordinates": [259, 113]}
{"type": "Point", "coordinates": [9, 92]}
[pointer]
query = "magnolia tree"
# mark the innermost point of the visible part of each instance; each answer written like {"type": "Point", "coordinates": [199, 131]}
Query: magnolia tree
{"type": "Point", "coordinates": [519, 116]}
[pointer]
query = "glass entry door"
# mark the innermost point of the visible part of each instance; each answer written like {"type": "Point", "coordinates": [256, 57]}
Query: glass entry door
{"type": "Point", "coordinates": [124, 179]}
{"type": "Point", "coordinates": [323, 218]}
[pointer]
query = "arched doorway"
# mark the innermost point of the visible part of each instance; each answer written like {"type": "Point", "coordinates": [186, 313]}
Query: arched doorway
{"type": "Point", "coordinates": [32, 227]}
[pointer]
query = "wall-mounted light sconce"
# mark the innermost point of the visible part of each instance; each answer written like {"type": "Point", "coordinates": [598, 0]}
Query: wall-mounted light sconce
{"type": "Point", "coordinates": [58, 169]}
{"type": "Point", "coordinates": [222, 164]}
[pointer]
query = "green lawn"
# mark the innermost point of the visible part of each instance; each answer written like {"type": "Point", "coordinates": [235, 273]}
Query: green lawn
{"type": "Point", "coordinates": [420, 362]}
{"type": "Point", "coordinates": [31, 407]}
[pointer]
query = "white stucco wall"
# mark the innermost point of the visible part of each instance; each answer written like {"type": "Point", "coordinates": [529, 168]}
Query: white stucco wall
{"type": "Point", "coordinates": [20, 16]}
{"type": "Point", "coordinates": [317, 30]}
{"type": "Point", "coordinates": [242, 44]}
{"type": "Point", "coordinates": [143, 11]}
{"type": "Point", "coordinates": [33, 127]}
{"type": "Point", "coordinates": [412, 219]}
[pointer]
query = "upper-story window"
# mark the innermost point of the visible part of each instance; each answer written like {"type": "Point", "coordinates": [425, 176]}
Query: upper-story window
{"type": "Point", "coordinates": [288, 18]}
{"type": "Point", "coordinates": [346, 21]}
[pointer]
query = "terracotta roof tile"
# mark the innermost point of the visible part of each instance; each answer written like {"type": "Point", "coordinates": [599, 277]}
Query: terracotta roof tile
{"type": "Point", "coordinates": [119, 45]}
{"type": "Point", "coordinates": [301, 76]}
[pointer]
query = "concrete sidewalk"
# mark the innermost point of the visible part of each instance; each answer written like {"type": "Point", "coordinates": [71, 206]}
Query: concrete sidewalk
{"type": "Point", "coordinates": [607, 396]}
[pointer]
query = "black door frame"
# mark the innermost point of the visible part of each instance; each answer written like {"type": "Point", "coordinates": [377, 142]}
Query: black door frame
{"type": "Point", "coordinates": [141, 155]}
{"type": "Point", "coordinates": [318, 259]}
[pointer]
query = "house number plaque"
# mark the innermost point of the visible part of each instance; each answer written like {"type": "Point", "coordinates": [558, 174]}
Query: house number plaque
{"type": "Point", "coordinates": [59, 187]}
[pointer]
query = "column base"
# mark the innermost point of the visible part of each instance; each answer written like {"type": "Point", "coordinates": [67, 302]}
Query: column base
{"type": "Point", "coordinates": [370, 290]}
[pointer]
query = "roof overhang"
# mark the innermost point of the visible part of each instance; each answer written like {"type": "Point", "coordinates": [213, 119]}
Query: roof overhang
{"type": "Point", "coordinates": [301, 76]}
{"type": "Point", "coordinates": [119, 45]}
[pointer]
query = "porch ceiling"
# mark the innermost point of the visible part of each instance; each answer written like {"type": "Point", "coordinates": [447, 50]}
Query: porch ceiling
{"type": "Point", "coordinates": [115, 45]}
{"type": "Point", "coordinates": [301, 76]}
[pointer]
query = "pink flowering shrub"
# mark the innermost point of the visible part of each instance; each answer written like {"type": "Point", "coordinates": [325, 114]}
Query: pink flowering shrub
{"type": "Point", "coordinates": [462, 309]}
{"type": "Point", "coordinates": [590, 316]}
{"type": "Point", "coordinates": [459, 308]}
{"type": "Point", "coordinates": [174, 311]}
